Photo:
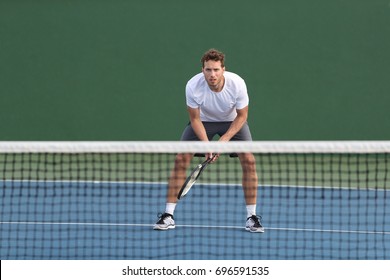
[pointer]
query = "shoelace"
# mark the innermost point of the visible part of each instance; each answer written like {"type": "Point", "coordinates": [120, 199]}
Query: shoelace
{"type": "Point", "coordinates": [256, 219]}
{"type": "Point", "coordinates": [162, 216]}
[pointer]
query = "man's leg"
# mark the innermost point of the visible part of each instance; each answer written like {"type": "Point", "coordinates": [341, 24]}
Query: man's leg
{"type": "Point", "coordinates": [249, 177]}
{"type": "Point", "coordinates": [178, 176]}
{"type": "Point", "coordinates": [176, 180]}
{"type": "Point", "coordinates": [250, 185]}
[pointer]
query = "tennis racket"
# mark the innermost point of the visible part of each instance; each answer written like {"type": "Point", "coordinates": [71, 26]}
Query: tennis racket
{"type": "Point", "coordinates": [190, 181]}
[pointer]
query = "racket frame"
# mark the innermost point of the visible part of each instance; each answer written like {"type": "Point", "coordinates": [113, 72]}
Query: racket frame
{"type": "Point", "coordinates": [191, 179]}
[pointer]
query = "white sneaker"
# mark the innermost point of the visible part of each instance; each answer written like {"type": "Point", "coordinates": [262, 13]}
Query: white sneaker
{"type": "Point", "coordinates": [165, 222]}
{"type": "Point", "coordinates": [253, 224]}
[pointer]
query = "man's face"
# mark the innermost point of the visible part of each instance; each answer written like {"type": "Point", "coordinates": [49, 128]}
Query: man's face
{"type": "Point", "coordinates": [213, 73]}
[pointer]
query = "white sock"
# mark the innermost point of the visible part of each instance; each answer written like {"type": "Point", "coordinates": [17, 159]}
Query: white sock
{"type": "Point", "coordinates": [170, 208]}
{"type": "Point", "coordinates": [251, 210]}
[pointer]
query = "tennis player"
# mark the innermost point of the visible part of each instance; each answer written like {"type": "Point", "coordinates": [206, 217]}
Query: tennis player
{"type": "Point", "coordinates": [217, 103]}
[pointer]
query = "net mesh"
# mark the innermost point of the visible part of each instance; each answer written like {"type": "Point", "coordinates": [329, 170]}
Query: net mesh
{"type": "Point", "coordinates": [99, 200]}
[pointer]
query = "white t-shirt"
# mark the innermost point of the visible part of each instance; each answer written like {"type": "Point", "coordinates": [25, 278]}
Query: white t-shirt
{"type": "Point", "coordinates": [217, 106]}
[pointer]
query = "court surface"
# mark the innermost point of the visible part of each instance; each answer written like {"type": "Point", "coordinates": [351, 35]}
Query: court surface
{"type": "Point", "coordinates": [113, 220]}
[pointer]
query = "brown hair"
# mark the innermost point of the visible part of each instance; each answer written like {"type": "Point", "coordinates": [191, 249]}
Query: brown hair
{"type": "Point", "coordinates": [214, 55]}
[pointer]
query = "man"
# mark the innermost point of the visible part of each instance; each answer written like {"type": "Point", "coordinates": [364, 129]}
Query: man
{"type": "Point", "coordinates": [217, 103]}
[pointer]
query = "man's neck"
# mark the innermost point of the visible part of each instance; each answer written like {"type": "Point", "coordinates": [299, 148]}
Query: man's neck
{"type": "Point", "coordinates": [218, 87]}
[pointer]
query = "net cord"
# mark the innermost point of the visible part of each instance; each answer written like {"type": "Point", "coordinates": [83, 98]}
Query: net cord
{"type": "Point", "coordinates": [194, 147]}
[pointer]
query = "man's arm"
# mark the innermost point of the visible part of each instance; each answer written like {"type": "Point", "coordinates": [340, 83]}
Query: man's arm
{"type": "Point", "coordinates": [237, 124]}
{"type": "Point", "coordinates": [197, 124]}
{"type": "Point", "coordinates": [199, 129]}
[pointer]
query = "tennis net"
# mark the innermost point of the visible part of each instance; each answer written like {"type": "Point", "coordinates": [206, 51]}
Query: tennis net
{"type": "Point", "coordinates": [99, 200]}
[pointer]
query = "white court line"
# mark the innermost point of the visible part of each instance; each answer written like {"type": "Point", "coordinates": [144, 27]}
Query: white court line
{"type": "Point", "coordinates": [199, 184]}
{"type": "Point", "coordinates": [200, 226]}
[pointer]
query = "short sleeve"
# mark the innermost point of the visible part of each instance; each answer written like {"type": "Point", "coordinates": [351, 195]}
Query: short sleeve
{"type": "Point", "coordinates": [242, 97]}
{"type": "Point", "coordinates": [190, 100]}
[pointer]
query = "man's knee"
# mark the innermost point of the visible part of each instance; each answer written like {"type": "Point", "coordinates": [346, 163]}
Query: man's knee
{"type": "Point", "coordinates": [248, 161]}
{"type": "Point", "coordinates": [182, 160]}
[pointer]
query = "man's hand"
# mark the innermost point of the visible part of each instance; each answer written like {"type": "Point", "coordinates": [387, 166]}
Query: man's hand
{"type": "Point", "coordinates": [214, 157]}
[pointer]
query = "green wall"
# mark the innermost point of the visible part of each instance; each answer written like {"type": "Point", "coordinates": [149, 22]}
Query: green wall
{"type": "Point", "coordinates": [116, 70]}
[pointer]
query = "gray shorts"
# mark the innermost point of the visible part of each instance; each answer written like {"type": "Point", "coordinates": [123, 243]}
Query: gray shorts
{"type": "Point", "coordinates": [217, 128]}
